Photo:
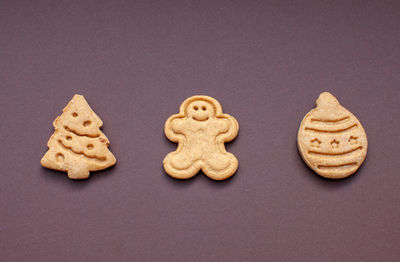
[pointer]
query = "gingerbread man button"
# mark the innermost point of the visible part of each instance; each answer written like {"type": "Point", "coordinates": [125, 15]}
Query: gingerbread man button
{"type": "Point", "coordinates": [201, 129]}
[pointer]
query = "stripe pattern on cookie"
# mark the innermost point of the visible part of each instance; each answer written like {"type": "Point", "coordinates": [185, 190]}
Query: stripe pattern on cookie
{"type": "Point", "coordinates": [331, 140]}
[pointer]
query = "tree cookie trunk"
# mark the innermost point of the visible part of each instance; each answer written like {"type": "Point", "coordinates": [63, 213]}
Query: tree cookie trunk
{"type": "Point", "coordinates": [78, 171]}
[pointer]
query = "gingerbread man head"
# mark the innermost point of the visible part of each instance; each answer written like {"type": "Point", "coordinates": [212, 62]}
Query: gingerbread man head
{"type": "Point", "coordinates": [200, 108]}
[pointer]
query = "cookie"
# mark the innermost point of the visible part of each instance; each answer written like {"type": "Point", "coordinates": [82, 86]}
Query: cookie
{"type": "Point", "coordinates": [77, 145]}
{"type": "Point", "coordinates": [201, 129]}
{"type": "Point", "coordinates": [331, 140]}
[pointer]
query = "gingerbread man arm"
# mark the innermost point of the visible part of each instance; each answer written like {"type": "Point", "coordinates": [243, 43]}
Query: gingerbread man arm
{"type": "Point", "coordinates": [173, 128]}
{"type": "Point", "coordinates": [232, 130]}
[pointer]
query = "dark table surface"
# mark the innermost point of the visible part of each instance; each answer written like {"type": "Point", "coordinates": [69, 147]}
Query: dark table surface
{"type": "Point", "coordinates": [135, 62]}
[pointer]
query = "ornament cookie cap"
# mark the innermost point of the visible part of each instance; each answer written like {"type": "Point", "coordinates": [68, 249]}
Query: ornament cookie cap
{"type": "Point", "coordinates": [77, 145]}
{"type": "Point", "coordinates": [326, 100]}
{"type": "Point", "coordinates": [331, 140]}
{"type": "Point", "coordinates": [201, 129]}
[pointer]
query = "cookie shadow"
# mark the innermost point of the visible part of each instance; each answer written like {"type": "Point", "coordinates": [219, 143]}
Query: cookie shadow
{"type": "Point", "coordinates": [60, 177]}
{"type": "Point", "coordinates": [178, 183]}
{"type": "Point", "coordinates": [232, 143]}
{"type": "Point", "coordinates": [172, 146]}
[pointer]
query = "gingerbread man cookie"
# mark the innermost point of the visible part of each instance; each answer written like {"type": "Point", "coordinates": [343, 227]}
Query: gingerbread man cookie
{"type": "Point", "coordinates": [201, 129]}
{"type": "Point", "coordinates": [331, 140]}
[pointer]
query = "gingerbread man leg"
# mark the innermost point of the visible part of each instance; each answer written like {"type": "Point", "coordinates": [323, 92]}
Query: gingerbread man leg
{"type": "Point", "coordinates": [220, 166]}
{"type": "Point", "coordinates": [179, 166]}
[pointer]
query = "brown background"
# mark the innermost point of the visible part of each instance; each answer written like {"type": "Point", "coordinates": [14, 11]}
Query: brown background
{"type": "Point", "coordinates": [135, 62]}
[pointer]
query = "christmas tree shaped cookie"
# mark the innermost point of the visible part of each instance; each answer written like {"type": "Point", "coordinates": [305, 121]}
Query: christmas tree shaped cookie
{"type": "Point", "coordinates": [77, 145]}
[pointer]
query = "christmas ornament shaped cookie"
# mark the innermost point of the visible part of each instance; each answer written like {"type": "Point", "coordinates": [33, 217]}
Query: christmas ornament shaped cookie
{"type": "Point", "coordinates": [77, 145]}
{"type": "Point", "coordinates": [331, 140]}
{"type": "Point", "coordinates": [201, 129]}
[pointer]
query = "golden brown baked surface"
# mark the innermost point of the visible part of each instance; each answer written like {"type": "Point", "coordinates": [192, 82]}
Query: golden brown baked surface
{"type": "Point", "coordinates": [77, 145]}
{"type": "Point", "coordinates": [201, 129]}
{"type": "Point", "coordinates": [331, 140]}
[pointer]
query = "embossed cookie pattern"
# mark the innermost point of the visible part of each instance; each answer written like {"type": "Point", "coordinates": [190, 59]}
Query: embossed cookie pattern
{"type": "Point", "coordinates": [331, 140]}
{"type": "Point", "coordinates": [77, 145]}
{"type": "Point", "coordinates": [201, 129]}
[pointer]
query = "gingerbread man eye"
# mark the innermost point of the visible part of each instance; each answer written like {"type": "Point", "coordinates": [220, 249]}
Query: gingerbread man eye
{"type": "Point", "coordinates": [196, 108]}
{"type": "Point", "coordinates": [204, 108]}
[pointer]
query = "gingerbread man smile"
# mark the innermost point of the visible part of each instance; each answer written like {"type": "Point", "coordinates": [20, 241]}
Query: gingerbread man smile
{"type": "Point", "coordinates": [200, 111]}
